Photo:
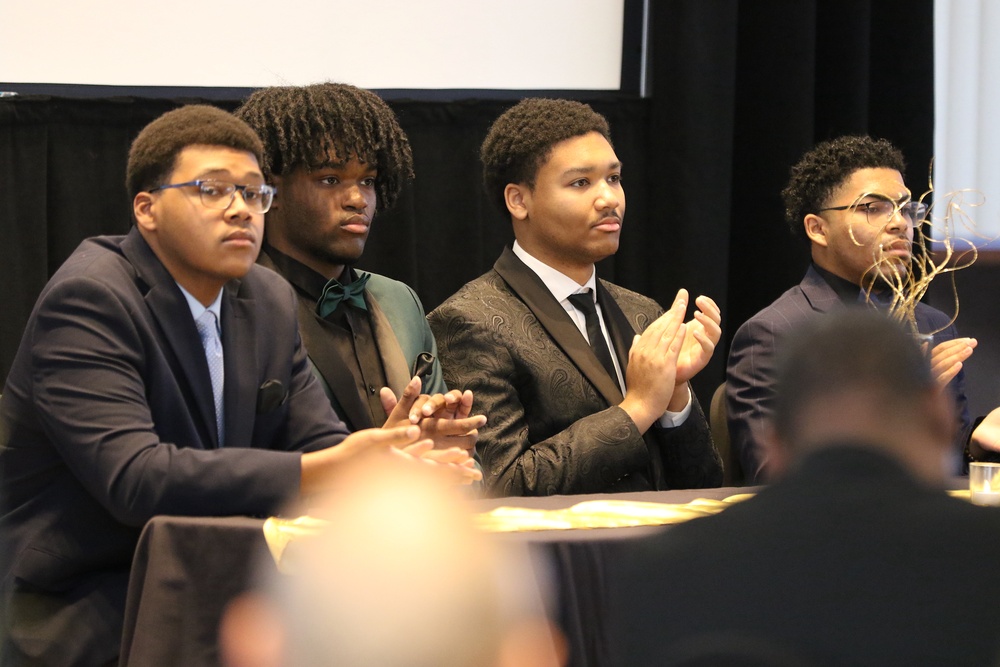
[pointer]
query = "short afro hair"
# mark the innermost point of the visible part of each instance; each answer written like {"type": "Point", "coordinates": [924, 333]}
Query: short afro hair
{"type": "Point", "coordinates": [154, 152]}
{"type": "Point", "coordinates": [521, 139]}
{"type": "Point", "coordinates": [820, 171]}
{"type": "Point", "coordinates": [302, 125]}
{"type": "Point", "coordinates": [859, 350]}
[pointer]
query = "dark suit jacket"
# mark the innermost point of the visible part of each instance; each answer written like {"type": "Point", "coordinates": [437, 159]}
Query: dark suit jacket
{"type": "Point", "coordinates": [403, 339]}
{"type": "Point", "coordinates": [107, 419]}
{"type": "Point", "coordinates": [553, 421]}
{"type": "Point", "coordinates": [751, 371]}
{"type": "Point", "coordinates": [847, 561]}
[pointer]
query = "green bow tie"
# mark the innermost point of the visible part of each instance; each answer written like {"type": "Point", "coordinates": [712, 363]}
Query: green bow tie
{"type": "Point", "coordinates": [334, 293]}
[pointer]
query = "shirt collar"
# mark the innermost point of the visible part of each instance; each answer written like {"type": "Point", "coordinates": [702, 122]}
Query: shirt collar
{"type": "Point", "coordinates": [846, 291]}
{"type": "Point", "coordinates": [197, 309]}
{"type": "Point", "coordinates": [559, 284]}
{"type": "Point", "coordinates": [301, 276]}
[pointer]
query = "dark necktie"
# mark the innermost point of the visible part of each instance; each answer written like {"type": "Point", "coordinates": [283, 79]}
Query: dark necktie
{"type": "Point", "coordinates": [334, 293]}
{"type": "Point", "coordinates": [584, 302]}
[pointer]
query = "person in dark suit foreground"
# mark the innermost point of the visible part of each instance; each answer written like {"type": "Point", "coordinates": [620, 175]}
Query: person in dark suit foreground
{"type": "Point", "coordinates": [337, 154]}
{"type": "Point", "coordinates": [855, 555]}
{"type": "Point", "coordinates": [847, 198]}
{"type": "Point", "coordinates": [567, 412]}
{"type": "Point", "coordinates": [161, 372]}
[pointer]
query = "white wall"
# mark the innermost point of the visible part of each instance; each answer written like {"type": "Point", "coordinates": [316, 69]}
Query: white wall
{"type": "Point", "coordinates": [967, 104]}
{"type": "Point", "coordinates": [503, 44]}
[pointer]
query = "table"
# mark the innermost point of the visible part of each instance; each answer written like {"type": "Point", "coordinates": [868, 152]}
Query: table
{"type": "Point", "coordinates": [187, 569]}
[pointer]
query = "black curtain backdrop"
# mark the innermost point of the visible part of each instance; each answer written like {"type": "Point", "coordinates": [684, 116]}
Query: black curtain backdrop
{"type": "Point", "coordinates": [739, 91]}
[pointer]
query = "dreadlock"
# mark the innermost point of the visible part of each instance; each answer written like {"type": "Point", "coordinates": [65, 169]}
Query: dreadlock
{"type": "Point", "coordinates": [302, 126]}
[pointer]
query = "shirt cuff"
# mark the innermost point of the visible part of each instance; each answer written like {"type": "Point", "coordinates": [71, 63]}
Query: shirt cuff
{"type": "Point", "coordinates": [674, 419]}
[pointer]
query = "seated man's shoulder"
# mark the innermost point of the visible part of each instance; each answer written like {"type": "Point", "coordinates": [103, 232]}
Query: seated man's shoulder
{"type": "Point", "coordinates": [627, 298]}
{"type": "Point", "coordinates": [384, 288]}
{"type": "Point", "coordinates": [778, 317]}
{"type": "Point", "coordinates": [477, 297]}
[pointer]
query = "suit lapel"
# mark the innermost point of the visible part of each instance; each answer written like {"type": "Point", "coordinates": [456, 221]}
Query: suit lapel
{"type": "Point", "coordinates": [621, 330]}
{"type": "Point", "coordinates": [172, 314]}
{"type": "Point", "coordinates": [239, 339]}
{"type": "Point", "coordinates": [397, 371]}
{"type": "Point", "coordinates": [818, 292]}
{"type": "Point", "coordinates": [554, 319]}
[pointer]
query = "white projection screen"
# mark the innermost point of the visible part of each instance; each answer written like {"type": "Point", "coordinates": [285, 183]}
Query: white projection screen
{"type": "Point", "coordinates": [379, 44]}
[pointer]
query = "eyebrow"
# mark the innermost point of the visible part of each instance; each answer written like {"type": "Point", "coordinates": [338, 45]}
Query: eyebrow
{"type": "Point", "coordinates": [222, 174]}
{"type": "Point", "coordinates": [342, 165]}
{"type": "Point", "coordinates": [589, 169]}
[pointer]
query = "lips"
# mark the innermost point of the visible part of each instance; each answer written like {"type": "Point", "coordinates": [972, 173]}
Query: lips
{"type": "Point", "coordinates": [611, 223]}
{"type": "Point", "coordinates": [356, 225]}
{"type": "Point", "coordinates": [897, 247]}
{"type": "Point", "coordinates": [241, 237]}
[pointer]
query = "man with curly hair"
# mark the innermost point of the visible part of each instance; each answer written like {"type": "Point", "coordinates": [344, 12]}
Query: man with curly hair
{"type": "Point", "coordinates": [161, 372]}
{"type": "Point", "coordinates": [567, 411]}
{"type": "Point", "coordinates": [848, 199]}
{"type": "Point", "coordinates": [336, 153]}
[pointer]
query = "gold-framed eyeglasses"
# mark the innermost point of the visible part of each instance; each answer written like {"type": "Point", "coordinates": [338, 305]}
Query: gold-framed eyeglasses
{"type": "Point", "coordinates": [220, 194]}
{"type": "Point", "coordinates": [882, 210]}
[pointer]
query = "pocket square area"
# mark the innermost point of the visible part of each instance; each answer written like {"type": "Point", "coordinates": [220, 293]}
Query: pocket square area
{"type": "Point", "coordinates": [270, 395]}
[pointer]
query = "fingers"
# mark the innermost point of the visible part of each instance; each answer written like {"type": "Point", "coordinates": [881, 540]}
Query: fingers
{"type": "Point", "coordinates": [947, 358]}
{"type": "Point", "coordinates": [388, 400]}
{"type": "Point", "coordinates": [664, 328]}
{"type": "Point", "coordinates": [434, 403]}
{"type": "Point", "coordinates": [433, 427]}
{"type": "Point", "coordinates": [382, 438]}
{"type": "Point", "coordinates": [400, 412]}
{"type": "Point", "coordinates": [419, 448]}
{"type": "Point", "coordinates": [709, 317]}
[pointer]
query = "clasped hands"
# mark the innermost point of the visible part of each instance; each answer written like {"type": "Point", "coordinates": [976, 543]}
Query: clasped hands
{"type": "Point", "coordinates": [448, 430]}
{"type": "Point", "coordinates": [666, 356]}
{"type": "Point", "coordinates": [436, 431]}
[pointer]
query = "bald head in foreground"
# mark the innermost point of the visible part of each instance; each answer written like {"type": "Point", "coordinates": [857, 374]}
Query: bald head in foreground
{"type": "Point", "coordinates": [398, 577]}
{"type": "Point", "coordinates": [855, 555]}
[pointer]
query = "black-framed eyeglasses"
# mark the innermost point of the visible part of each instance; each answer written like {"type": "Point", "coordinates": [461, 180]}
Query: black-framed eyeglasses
{"type": "Point", "coordinates": [881, 211]}
{"type": "Point", "coordinates": [220, 194]}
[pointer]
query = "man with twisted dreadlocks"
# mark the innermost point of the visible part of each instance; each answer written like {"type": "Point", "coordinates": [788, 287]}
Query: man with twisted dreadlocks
{"type": "Point", "coordinates": [337, 153]}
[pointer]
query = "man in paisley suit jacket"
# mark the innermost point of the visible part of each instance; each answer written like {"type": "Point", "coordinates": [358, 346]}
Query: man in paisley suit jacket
{"type": "Point", "coordinates": [336, 153]}
{"type": "Point", "coordinates": [848, 199]}
{"type": "Point", "coordinates": [160, 372]}
{"type": "Point", "coordinates": [561, 420]}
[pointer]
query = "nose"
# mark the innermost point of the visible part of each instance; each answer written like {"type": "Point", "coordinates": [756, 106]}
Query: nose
{"type": "Point", "coordinates": [238, 211]}
{"type": "Point", "coordinates": [898, 221]}
{"type": "Point", "coordinates": [354, 198]}
{"type": "Point", "coordinates": [607, 197]}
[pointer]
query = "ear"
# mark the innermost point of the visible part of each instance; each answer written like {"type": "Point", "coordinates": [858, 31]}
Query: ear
{"type": "Point", "coordinates": [816, 229]}
{"type": "Point", "coordinates": [142, 209]}
{"type": "Point", "coordinates": [518, 197]}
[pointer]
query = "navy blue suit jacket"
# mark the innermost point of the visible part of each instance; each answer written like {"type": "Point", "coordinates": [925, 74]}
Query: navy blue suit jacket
{"type": "Point", "coordinates": [107, 419]}
{"type": "Point", "coordinates": [751, 370]}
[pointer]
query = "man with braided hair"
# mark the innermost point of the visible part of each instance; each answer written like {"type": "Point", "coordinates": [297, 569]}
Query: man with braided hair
{"type": "Point", "coordinates": [567, 412]}
{"type": "Point", "coordinates": [336, 154]}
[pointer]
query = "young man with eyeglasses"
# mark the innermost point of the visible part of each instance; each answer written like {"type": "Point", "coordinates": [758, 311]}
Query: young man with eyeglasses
{"type": "Point", "coordinates": [848, 199]}
{"type": "Point", "coordinates": [584, 383]}
{"type": "Point", "coordinates": [161, 372]}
